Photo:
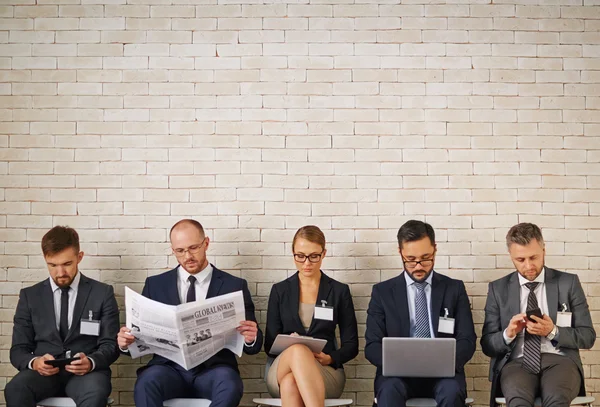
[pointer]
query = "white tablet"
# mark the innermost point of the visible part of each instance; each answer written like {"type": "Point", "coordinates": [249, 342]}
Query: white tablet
{"type": "Point", "coordinates": [282, 342]}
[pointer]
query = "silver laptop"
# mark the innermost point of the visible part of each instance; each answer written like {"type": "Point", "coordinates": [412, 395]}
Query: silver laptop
{"type": "Point", "coordinates": [419, 357]}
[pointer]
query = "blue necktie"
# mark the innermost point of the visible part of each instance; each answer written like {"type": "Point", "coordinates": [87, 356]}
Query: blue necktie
{"type": "Point", "coordinates": [421, 312]}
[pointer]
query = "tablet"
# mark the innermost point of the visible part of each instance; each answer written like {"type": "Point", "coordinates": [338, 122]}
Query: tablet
{"type": "Point", "coordinates": [60, 362]}
{"type": "Point", "coordinates": [282, 342]}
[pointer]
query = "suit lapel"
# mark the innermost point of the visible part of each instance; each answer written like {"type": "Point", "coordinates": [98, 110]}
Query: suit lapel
{"type": "Point", "coordinates": [48, 303]}
{"type": "Point", "coordinates": [324, 289]}
{"type": "Point", "coordinates": [438, 288]}
{"type": "Point", "coordinates": [294, 291]}
{"type": "Point", "coordinates": [83, 292]}
{"type": "Point", "coordinates": [401, 300]}
{"type": "Point", "coordinates": [551, 293]}
{"type": "Point", "coordinates": [514, 294]}
{"type": "Point", "coordinates": [214, 288]}
{"type": "Point", "coordinates": [171, 289]}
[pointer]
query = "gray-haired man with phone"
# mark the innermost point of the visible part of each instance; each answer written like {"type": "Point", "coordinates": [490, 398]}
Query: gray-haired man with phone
{"type": "Point", "coordinates": [536, 320]}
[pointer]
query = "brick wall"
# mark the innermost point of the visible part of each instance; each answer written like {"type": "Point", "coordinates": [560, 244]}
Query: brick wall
{"type": "Point", "coordinates": [119, 118]}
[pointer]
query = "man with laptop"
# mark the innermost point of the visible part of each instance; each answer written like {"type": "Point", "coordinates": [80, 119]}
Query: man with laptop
{"type": "Point", "coordinates": [536, 320]}
{"type": "Point", "coordinates": [420, 330]}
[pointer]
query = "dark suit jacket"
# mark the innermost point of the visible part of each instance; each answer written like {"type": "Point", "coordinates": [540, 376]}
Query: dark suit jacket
{"type": "Point", "coordinates": [163, 288]}
{"type": "Point", "coordinates": [388, 315]}
{"type": "Point", "coordinates": [35, 333]}
{"type": "Point", "coordinates": [283, 318]}
{"type": "Point", "coordinates": [503, 302]}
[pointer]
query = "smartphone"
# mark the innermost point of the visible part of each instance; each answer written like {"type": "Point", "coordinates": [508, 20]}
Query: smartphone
{"type": "Point", "coordinates": [60, 363]}
{"type": "Point", "coordinates": [535, 311]}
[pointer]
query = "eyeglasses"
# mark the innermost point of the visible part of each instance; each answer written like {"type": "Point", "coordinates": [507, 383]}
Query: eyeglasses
{"type": "Point", "coordinates": [192, 249]}
{"type": "Point", "coordinates": [411, 264]}
{"type": "Point", "coordinates": [313, 258]}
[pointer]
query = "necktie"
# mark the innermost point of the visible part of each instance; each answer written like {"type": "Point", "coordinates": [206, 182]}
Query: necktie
{"type": "Point", "coordinates": [64, 312]}
{"type": "Point", "coordinates": [191, 294]}
{"type": "Point", "coordinates": [421, 312]}
{"type": "Point", "coordinates": [533, 343]}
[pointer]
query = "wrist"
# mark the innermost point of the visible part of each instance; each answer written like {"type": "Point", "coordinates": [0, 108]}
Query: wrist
{"type": "Point", "coordinates": [552, 333]}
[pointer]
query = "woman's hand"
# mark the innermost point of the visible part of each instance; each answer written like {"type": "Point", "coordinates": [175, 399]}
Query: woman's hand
{"type": "Point", "coordinates": [323, 358]}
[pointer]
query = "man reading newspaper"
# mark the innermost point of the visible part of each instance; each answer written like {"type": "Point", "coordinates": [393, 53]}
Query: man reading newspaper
{"type": "Point", "coordinates": [194, 279]}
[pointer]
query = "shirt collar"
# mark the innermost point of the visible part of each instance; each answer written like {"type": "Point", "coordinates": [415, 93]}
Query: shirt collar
{"type": "Point", "coordinates": [410, 281]}
{"type": "Point", "coordinates": [203, 276]}
{"type": "Point", "coordinates": [74, 284]}
{"type": "Point", "coordinates": [539, 279]}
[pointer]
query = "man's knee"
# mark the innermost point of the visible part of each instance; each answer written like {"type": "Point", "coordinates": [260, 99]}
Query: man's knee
{"type": "Point", "coordinates": [393, 387]}
{"type": "Point", "coordinates": [19, 387]}
{"type": "Point", "coordinates": [449, 392]}
{"type": "Point", "coordinates": [228, 387]}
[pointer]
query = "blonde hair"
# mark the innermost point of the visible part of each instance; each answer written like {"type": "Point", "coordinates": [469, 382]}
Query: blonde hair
{"type": "Point", "coordinates": [311, 233]}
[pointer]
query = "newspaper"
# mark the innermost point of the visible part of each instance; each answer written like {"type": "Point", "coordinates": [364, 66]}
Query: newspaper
{"type": "Point", "coordinates": [188, 334]}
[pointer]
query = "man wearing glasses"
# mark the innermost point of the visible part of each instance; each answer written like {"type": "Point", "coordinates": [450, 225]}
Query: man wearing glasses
{"type": "Point", "coordinates": [218, 378]}
{"type": "Point", "coordinates": [411, 305]}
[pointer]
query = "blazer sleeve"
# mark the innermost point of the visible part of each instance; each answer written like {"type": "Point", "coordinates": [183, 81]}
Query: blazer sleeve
{"type": "Point", "coordinates": [581, 334]}
{"type": "Point", "coordinates": [376, 330]}
{"type": "Point", "coordinates": [465, 331]}
{"type": "Point", "coordinates": [23, 337]}
{"type": "Point", "coordinates": [492, 341]}
{"type": "Point", "coordinates": [107, 350]}
{"type": "Point", "coordinates": [250, 316]}
{"type": "Point", "coordinates": [274, 323]}
{"type": "Point", "coordinates": [348, 330]}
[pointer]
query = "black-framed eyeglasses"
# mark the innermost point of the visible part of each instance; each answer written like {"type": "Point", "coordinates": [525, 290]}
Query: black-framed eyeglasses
{"type": "Point", "coordinates": [192, 249]}
{"type": "Point", "coordinates": [411, 264]}
{"type": "Point", "coordinates": [313, 257]}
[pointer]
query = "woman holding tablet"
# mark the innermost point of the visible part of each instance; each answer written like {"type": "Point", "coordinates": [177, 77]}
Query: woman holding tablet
{"type": "Point", "coordinates": [310, 304]}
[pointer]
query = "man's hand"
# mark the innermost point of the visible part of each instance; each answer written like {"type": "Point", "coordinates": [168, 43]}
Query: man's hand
{"type": "Point", "coordinates": [323, 358]}
{"type": "Point", "coordinates": [81, 366]}
{"type": "Point", "coordinates": [125, 338]}
{"type": "Point", "coordinates": [516, 325]}
{"type": "Point", "coordinates": [541, 326]}
{"type": "Point", "coordinates": [249, 329]}
{"type": "Point", "coordinates": [45, 370]}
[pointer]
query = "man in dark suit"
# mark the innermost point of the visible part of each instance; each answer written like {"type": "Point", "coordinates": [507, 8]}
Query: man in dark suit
{"type": "Point", "coordinates": [533, 355]}
{"type": "Point", "coordinates": [218, 378]}
{"type": "Point", "coordinates": [411, 305]}
{"type": "Point", "coordinates": [68, 313]}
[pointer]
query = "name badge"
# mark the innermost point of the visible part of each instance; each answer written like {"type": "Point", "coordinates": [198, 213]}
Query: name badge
{"type": "Point", "coordinates": [324, 312]}
{"type": "Point", "coordinates": [446, 325]}
{"type": "Point", "coordinates": [89, 326]}
{"type": "Point", "coordinates": [563, 318]}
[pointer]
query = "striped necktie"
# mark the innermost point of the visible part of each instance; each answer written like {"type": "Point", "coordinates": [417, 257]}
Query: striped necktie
{"type": "Point", "coordinates": [421, 312]}
{"type": "Point", "coordinates": [532, 346]}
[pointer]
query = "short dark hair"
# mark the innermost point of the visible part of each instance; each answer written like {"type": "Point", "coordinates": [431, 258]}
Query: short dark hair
{"type": "Point", "coordinates": [58, 239]}
{"type": "Point", "coordinates": [191, 222]}
{"type": "Point", "coordinates": [523, 233]}
{"type": "Point", "coordinates": [415, 230]}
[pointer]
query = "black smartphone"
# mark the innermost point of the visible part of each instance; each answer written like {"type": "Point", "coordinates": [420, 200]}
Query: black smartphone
{"type": "Point", "coordinates": [60, 363]}
{"type": "Point", "coordinates": [535, 311]}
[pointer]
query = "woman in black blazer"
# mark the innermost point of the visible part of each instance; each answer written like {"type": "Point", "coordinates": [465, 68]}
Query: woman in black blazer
{"type": "Point", "coordinates": [312, 304]}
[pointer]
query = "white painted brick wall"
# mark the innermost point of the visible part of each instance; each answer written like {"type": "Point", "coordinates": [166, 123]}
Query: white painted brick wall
{"type": "Point", "coordinates": [119, 118]}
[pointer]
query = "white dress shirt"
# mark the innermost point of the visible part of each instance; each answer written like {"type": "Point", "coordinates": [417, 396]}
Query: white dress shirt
{"type": "Point", "coordinates": [542, 299]}
{"type": "Point", "coordinates": [201, 284]}
{"type": "Point", "coordinates": [411, 294]}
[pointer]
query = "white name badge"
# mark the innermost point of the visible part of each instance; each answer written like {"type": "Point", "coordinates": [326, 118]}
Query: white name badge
{"type": "Point", "coordinates": [564, 319]}
{"type": "Point", "coordinates": [446, 325]}
{"type": "Point", "coordinates": [89, 326]}
{"type": "Point", "coordinates": [324, 313]}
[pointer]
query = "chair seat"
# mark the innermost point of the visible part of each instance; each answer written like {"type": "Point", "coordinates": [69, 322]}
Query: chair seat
{"type": "Point", "coordinates": [419, 402]}
{"type": "Point", "coordinates": [328, 402]}
{"type": "Point", "coordinates": [577, 401]}
{"type": "Point", "coordinates": [64, 402]}
{"type": "Point", "coordinates": [187, 403]}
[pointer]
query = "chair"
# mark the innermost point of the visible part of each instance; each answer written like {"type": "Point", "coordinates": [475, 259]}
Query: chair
{"type": "Point", "coordinates": [577, 401]}
{"type": "Point", "coordinates": [187, 403]}
{"type": "Point", "coordinates": [424, 402]}
{"type": "Point", "coordinates": [64, 402]}
{"type": "Point", "coordinates": [277, 402]}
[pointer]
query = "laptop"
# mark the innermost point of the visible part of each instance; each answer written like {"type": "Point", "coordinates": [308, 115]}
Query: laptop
{"type": "Point", "coordinates": [419, 357]}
